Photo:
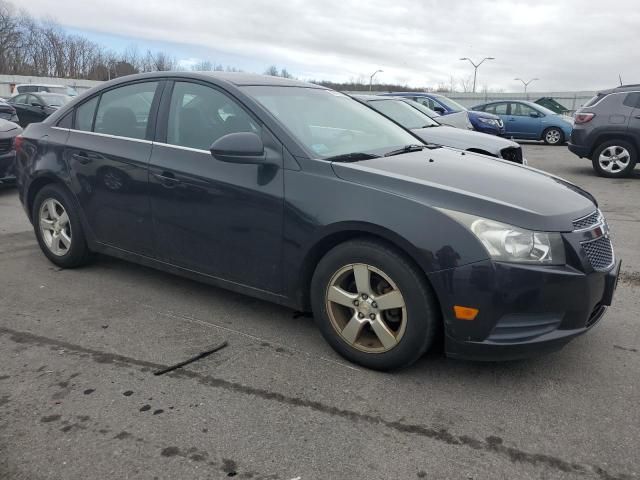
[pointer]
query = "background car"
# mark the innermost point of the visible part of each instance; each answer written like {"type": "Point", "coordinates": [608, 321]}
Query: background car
{"type": "Point", "coordinates": [43, 87]}
{"type": "Point", "coordinates": [7, 112]}
{"type": "Point", "coordinates": [430, 131]}
{"type": "Point", "coordinates": [530, 121]}
{"type": "Point", "coordinates": [458, 119]}
{"type": "Point", "coordinates": [8, 132]}
{"type": "Point", "coordinates": [481, 121]}
{"type": "Point", "coordinates": [607, 130]}
{"type": "Point", "coordinates": [35, 107]}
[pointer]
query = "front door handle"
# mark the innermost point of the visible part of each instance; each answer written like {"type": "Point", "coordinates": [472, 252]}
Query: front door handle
{"type": "Point", "coordinates": [167, 179]}
{"type": "Point", "coordinates": [82, 158]}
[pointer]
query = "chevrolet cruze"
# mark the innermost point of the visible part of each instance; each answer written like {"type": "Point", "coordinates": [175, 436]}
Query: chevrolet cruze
{"type": "Point", "coordinates": [300, 195]}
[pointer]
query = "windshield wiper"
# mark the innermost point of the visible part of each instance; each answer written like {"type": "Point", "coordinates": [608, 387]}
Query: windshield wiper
{"type": "Point", "coordinates": [406, 149]}
{"type": "Point", "coordinates": [352, 157]}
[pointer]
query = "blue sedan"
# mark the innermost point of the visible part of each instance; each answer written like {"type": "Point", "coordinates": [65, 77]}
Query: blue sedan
{"type": "Point", "coordinates": [530, 121]}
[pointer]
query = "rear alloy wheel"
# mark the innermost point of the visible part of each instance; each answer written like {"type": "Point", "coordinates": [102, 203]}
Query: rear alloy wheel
{"type": "Point", "coordinates": [373, 306]}
{"type": "Point", "coordinates": [614, 159]}
{"type": "Point", "coordinates": [553, 136]}
{"type": "Point", "coordinates": [58, 229]}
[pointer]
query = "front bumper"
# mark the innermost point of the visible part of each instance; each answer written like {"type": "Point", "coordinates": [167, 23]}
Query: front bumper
{"type": "Point", "coordinates": [524, 310]}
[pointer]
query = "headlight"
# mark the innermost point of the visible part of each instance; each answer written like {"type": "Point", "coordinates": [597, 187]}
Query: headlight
{"type": "Point", "coordinates": [489, 121]}
{"type": "Point", "coordinates": [507, 243]}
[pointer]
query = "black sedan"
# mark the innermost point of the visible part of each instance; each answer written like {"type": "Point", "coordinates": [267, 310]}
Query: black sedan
{"type": "Point", "coordinates": [35, 107]}
{"type": "Point", "coordinates": [303, 196]}
{"type": "Point", "coordinates": [8, 133]}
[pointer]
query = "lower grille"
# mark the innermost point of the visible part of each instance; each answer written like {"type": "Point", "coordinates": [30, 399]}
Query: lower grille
{"type": "Point", "coordinates": [600, 253]}
{"type": "Point", "coordinates": [6, 145]}
{"type": "Point", "coordinates": [597, 312]}
{"type": "Point", "coordinates": [513, 154]}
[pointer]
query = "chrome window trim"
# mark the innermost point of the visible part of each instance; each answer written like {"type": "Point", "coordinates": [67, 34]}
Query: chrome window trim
{"type": "Point", "coordinates": [106, 135]}
{"type": "Point", "coordinates": [180, 147]}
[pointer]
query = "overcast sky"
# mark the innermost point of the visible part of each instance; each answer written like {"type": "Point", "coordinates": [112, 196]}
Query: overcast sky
{"type": "Point", "coordinates": [568, 44]}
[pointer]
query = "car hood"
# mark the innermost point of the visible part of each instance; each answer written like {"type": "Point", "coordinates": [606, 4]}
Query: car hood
{"type": "Point", "coordinates": [477, 185]}
{"type": "Point", "coordinates": [464, 139]}
{"type": "Point", "coordinates": [458, 119]}
{"type": "Point", "coordinates": [7, 126]}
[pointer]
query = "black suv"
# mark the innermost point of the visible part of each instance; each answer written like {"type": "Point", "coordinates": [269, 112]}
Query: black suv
{"type": "Point", "coordinates": [607, 130]}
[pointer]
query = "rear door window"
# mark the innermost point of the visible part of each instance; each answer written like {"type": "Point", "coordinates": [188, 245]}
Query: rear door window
{"type": "Point", "coordinates": [632, 100]}
{"type": "Point", "coordinates": [125, 111]}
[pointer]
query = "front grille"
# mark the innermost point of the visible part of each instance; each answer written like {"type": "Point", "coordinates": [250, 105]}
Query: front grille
{"type": "Point", "coordinates": [6, 145]}
{"type": "Point", "coordinates": [588, 221]}
{"type": "Point", "coordinates": [513, 154]}
{"type": "Point", "coordinates": [600, 253]}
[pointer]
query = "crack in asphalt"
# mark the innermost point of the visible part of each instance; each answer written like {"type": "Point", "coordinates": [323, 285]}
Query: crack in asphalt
{"type": "Point", "coordinates": [492, 444]}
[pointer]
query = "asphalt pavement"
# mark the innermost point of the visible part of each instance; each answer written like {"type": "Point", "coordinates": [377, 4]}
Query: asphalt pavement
{"type": "Point", "coordinates": [79, 398]}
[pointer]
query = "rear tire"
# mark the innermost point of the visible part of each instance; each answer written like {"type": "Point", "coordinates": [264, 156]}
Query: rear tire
{"type": "Point", "coordinates": [58, 228]}
{"type": "Point", "coordinates": [373, 306]}
{"type": "Point", "coordinates": [614, 159]}
{"type": "Point", "coordinates": [553, 136]}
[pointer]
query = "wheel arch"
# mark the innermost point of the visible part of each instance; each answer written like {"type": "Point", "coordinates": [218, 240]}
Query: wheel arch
{"type": "Point", "coordinates": [343, 232]}
{"type": "Point", "coordinates": [608, 137]}
{"type": "Point", "coordinates": [38, 184]}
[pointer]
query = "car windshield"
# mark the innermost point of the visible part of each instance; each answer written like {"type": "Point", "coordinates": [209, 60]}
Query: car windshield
{"type": "Point", "coordinates": [402, 113]}
{"type": "Point", "coordinates": [329, 123]}
{"type": "Point", "coordinates": [451, 104]}
{"type": "Point", "coordinates": [418, 106]}
{"type": "Point", "coordinates": [54, 100]}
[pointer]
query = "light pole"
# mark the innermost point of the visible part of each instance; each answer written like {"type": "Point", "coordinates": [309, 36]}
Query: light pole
{"type": "Point", "coordinates": [526, 84]}
{"type": "Point", "coordinates": [371, 78]}
{"type": "Point", "coordinates": [475, 69]}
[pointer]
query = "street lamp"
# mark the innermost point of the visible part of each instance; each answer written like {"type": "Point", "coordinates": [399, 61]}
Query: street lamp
{"type": "Point", "coordinates": [371, 77]}
{"type": "Point", "coordinates": [526, 84]}
{"type": "Point", "coordinates": [475, 68]}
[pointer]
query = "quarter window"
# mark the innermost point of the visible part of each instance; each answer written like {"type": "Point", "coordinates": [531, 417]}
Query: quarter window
{"type": "Point", "coordinates": [85, 114]}
{"type": "Point", "coordinates": [20, 99]}
{"type": "Point", "coordinates": [124, 111]}
{"type": "Point", "coordinates": [632, 100]}
{"type": "Point", "coordinates": [199, 115]}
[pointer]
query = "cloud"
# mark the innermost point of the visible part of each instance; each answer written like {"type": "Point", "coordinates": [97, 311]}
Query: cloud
{"type": "Point", "coordinates": [569, 44]}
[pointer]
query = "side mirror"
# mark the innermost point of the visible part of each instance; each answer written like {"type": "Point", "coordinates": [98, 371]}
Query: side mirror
{"type": "Point", "coordinates": [440, 110]}
{"type": "Point", "coordinates": [534, 114]}
{"type": "Point", "coordinates": [36, 104]}
{"type": "Point", "coordinates": [241, 147]}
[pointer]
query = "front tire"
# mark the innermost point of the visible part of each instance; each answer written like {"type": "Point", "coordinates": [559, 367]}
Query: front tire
{"type": "Point", "coordinates": [553, 136]}
{"type": "Point", "coordinates": [58, 229]}
{"type": "Point", "coordinates": [614, 159]}
{"type": "Point", "coordinates": [373, 306]}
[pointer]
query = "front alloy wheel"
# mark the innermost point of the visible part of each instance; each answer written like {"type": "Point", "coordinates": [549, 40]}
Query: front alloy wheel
{"type": "Point", "coordinates": [373, 305]}
{"type": "Point", "coordinates": [366, 308]}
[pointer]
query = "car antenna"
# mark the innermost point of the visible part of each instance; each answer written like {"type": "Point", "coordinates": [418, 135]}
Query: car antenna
{"type": "Point", "coordinates": [620, 78]}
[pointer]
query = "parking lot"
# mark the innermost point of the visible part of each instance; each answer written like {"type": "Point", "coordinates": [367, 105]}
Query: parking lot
{"type": "Point", "coordinates": [78, 398]}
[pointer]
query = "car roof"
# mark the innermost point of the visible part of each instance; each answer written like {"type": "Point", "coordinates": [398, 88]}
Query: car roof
{"type": "Point", "coordinates": [623, 88]}
{"type": "Point", "coordinates": [237, 79]}
{"type": "Point", "coordinates": [40, 85]}
{"type": "Point", "coordinates": [368, 97]}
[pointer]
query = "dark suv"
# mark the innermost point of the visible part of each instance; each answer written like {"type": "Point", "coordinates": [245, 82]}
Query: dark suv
{"type": "Point", "coordinates": [607, 130]}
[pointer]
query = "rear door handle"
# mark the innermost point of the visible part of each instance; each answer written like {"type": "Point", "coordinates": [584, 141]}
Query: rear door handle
{"type": "Point", "coordinates": [167, 179]}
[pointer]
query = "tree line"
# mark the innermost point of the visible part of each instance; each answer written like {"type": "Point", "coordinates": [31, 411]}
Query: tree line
{"type": "Point", "coordinates": [29, 46]}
